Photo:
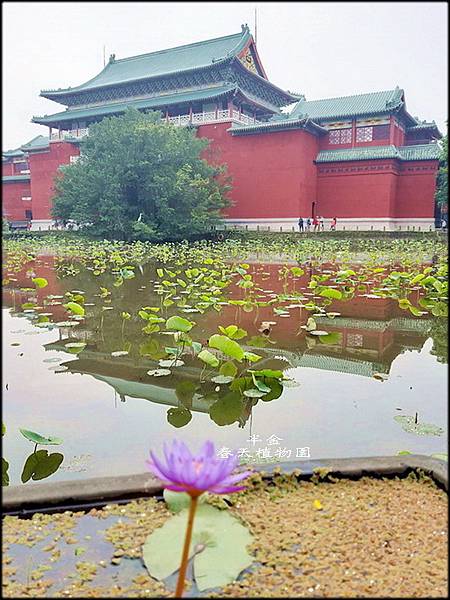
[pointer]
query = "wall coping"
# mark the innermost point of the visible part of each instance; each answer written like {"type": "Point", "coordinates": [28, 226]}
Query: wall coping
{"type": "Point", "coordinates": [38, 496]}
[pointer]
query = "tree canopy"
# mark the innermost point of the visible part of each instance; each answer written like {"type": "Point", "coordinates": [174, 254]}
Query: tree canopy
{"type": "Point", "coordinates": [139, 178]}
{"type": "Point", "coordinates": [442, 178]}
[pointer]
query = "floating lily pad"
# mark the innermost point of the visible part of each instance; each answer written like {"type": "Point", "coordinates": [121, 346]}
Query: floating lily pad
{"type": "Point", "coordinates": [159, 372]}
{"type": "Point", "coordinates": [171, 363]}
{"type": "Point", "coordinates": [222, 379]}
{"type": "Point", "coordinates": [253, 393]}
{"type": "Point", "coordinates": [408, 424]}
{"type": "Point", "coordinates": [380, 376]}
{"type": "Point", "coordinates": [179, 417]}
{"type": "Point", "coordinates": [440, 456]}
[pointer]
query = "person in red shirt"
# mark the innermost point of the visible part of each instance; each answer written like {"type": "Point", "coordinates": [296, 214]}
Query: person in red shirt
{"type": "Point", "coordinates": [315, 223]}
{"type": "Point", "coordinates": [333, 224]}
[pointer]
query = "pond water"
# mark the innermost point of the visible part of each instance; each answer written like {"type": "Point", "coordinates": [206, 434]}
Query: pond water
{"type": "Point", "coordinates": [344, 392]}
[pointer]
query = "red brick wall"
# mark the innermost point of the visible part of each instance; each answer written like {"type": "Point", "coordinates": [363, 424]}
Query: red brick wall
{"type": "Point", "coordinates": [343, 193]}
{"type": "Point", "coordinates": [7, 168]}
{"type": "Point", "coordinates": [399, 135]}
{"type": "Point", "coordinates": [415, 189]}
{"type": "Point", "coordinates": [273, 174]}
{"type": "Point", "coordinates": [12, 204]}
{"type": "Point", "coordinates": [43, 166]}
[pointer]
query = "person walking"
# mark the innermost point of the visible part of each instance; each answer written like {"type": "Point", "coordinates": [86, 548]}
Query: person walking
{"type": "Point", "coordinates": [333, 224]}
{"type": "Point", "coordinates": [308, 224]}
{"type": "Point", "coordinates": [443, 223]}
{"type": "Point", "coordinates": [300, 224]}
{"type": "Point", "coordinates": [322, 226]}
{"type": "Point", "coordinates": [315, 223]}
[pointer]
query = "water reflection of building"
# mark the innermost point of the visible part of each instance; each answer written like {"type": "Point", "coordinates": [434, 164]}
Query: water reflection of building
{"type": "Point", "coordinates": [367, 336]}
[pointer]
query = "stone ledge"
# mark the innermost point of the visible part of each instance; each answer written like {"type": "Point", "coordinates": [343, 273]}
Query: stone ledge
{"type": "Point", "coordinates": [39, 496]}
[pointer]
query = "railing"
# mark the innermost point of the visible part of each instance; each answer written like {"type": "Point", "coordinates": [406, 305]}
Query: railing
{"type": "Point", "coordinates": [219, 116]}
{"type": "Point", "coordinates": [58, 136]}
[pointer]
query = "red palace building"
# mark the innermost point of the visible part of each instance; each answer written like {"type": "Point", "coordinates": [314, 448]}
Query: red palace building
{"type": "Point", "coordinates": [362, 159]}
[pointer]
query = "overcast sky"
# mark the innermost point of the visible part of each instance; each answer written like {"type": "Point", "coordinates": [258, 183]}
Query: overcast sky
{"type": "Point", "coordinates": [322, 49]}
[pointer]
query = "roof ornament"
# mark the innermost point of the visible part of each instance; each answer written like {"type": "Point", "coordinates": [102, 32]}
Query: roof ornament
{"type": "Point", "coordinates": [112, 58]}
{"type": "Point", "coordinates": [245, 28]}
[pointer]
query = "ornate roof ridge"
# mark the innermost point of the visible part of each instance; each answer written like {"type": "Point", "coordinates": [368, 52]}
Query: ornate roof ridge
{"type": "Point", "coordinates": [239, 35]}
{"type": "Point", "coordinates": [244, 34]}
{"type": "Point", "coordinates": [350, 96]}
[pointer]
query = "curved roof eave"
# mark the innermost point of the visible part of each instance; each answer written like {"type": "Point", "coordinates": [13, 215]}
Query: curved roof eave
{"type": "Point", "coordinates": [282, 125]}
{"type": "Point", "coordinates": [118, 107]}
{"type": "Point", "coordinates": [70, 91]}
{"type": "Point", "coordinates": [286, 94]}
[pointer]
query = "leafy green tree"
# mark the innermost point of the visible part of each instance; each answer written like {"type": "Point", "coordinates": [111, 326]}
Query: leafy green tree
{"type": "Point", "coordinates": [5, 226]}
{"type": "Point", "coordinates": [442, 178]}
{"type": "Point", "coordinates": [139, 178]}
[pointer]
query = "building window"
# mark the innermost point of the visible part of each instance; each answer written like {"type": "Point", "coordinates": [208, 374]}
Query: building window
{"type": "Point", "coordinates": [26, 197]}
{"type": "Point", "coordinates": [364, 134]}
{"type": "Point", "coordinates": [341, 136]}
{"type": "Point", "coordinates": [28, 214]}
{"type": "Point", "coordinates": [21, 167]}
{"type": "Point", "coordinates": [381, 132]}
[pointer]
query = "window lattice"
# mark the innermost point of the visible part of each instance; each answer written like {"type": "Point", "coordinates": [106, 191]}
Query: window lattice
{"type": "Point", "coordinates": [340, 136]}
{"type": "Point", "coordinates": [354, 340]}
{"type": "Point", "coordinates": [364, 134]}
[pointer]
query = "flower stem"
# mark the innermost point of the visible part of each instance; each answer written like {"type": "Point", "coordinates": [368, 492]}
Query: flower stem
{"type": "Point", "coordinates": [187, 543]}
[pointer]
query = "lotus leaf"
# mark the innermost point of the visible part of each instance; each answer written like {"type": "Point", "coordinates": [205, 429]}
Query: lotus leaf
{"type": "Point", "coordinates": [226, 346]}
{"type": "Point", "coordinates": [40, 465]}
{"type": "Point", "coordinates": [36, 438]}
{"type": "Point", "coordinates": [223, 538]}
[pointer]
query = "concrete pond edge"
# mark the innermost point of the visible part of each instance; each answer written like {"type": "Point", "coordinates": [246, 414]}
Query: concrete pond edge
{"type": "Point", "coordinates": [37, 497]}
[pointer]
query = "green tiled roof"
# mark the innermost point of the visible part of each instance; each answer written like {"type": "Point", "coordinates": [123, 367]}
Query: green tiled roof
{"type": "Point", "coordinates": [40, 141]}
{"type": "Point", "coordinates": [119, 107]}
{"type": "Point", "coordinates": [419, 152]}
{"type": "Point", "coordinates": [340, 365]}
{"type": "Point", "coordinates": [12, 153]}
{"type": "Point", "coordinates": [350, 106]}
{"type": "Point", "coordinates": [424, 127]}
{"type": "Point", "coordinates": [15, 178]}
{"type": "Point", "coordinates": [277, 125]}
{"type": "Point", "coordinates": [163, 62]}
{"type": "Point", "coordinates": [395, 324]}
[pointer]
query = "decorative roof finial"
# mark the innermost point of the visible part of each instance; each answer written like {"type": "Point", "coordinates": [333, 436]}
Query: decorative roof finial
{"type": "Point", "coordinates": [245, 28]}
{"type": "Point", "coordinates": [112, 58]}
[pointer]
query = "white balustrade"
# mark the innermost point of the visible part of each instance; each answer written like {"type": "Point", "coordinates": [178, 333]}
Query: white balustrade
{"type": "Point", "coordinates": [218, 116]}
{"type": "Point", "coordinates": [58, 136]}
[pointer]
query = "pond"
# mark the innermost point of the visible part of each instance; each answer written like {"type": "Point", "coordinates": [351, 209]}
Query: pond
{"type": "Point", "coordinates": [328, 357]}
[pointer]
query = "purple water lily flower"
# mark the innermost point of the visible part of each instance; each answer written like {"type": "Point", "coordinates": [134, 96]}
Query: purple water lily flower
{"type": "Point", "coordinates": [205, 472]}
